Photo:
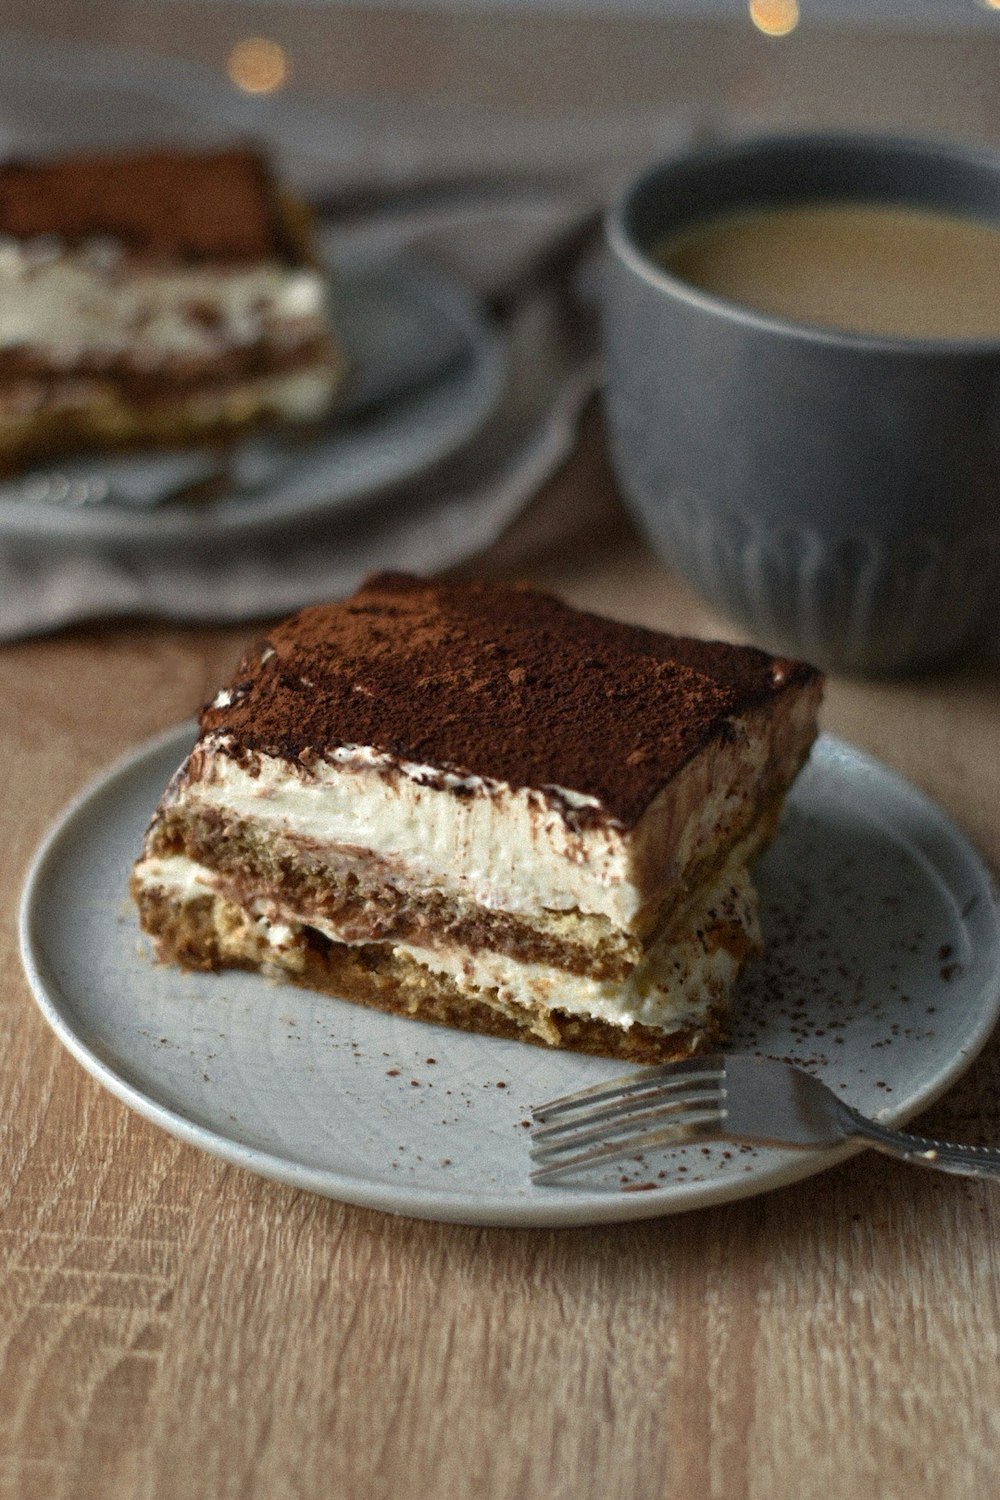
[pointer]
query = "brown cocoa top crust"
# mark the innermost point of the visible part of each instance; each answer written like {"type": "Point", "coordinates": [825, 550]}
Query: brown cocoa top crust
{"type": "Point", "coordinates": [178, 205]}
{"type": "Point", "coordinates": [497, 682]}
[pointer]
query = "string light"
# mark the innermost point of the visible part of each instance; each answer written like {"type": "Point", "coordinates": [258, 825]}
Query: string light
{"type": "Point", "coordinates": [258, 66]}
{"type": "Point", "coordinates": [777, 17]}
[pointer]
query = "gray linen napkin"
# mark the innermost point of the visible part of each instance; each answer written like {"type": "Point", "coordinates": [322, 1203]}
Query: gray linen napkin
{"type": "Point", "coordinates": [512, 232]}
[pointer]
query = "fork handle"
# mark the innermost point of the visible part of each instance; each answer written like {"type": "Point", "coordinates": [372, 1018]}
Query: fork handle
{"type": "Point", "coordinates": [967, 1161]}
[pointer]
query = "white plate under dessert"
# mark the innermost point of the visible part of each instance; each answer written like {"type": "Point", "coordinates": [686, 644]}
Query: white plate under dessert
{"type": "Point", "coordinates": [882, 975]}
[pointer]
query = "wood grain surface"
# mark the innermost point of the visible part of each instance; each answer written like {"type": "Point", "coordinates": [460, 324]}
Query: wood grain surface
{"type": "Point", "coordinates": [172, 1328]}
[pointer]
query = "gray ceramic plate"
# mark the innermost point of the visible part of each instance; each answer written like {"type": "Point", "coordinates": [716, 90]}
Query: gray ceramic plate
{"type": "Point", "coordinates": [882, 975]}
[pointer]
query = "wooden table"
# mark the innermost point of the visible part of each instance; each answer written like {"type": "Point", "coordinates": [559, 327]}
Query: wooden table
{"type": "Point", "coordinates": [172, 1327]}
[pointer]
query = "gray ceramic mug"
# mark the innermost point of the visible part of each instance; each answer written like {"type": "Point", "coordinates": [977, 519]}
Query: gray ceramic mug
{"type": "Point", "coordinates": [837, 495]}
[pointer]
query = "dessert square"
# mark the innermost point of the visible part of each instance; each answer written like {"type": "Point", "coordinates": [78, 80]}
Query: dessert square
{"type": "Point", "coordinates": [476, 805]}
{"type": "Point", "coordinates": [157, 299]}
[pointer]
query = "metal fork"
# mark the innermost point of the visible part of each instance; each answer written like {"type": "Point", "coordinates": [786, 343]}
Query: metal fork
{"type": "Point", "coordinates": [722, 1097]}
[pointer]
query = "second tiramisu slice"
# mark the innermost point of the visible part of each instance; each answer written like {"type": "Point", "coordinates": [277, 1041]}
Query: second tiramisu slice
{"type": "Point", "coordinates": [156, 299]}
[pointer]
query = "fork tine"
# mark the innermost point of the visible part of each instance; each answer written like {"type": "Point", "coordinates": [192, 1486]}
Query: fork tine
{"type": "Point", "coordinates": [553, 1164]}
{"type": "Point", "coordinates": [680, 1121]}
{"type": "Point", "coordinates": [709, 1066]}
{"type": "Point", "coordinates": [670, 1097]}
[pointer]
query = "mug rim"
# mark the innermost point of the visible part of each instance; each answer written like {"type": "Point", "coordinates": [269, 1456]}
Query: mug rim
{"type": "Point", "coordinates": [625, 247]}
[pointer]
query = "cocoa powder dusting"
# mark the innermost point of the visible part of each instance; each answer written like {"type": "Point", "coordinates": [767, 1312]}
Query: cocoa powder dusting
{"type": "Point", "coordinates": [188, 205]}
{"type": "Point", "coordinates": [498, 682]}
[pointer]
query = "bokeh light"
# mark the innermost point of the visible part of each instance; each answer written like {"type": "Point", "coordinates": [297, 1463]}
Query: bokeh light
{"type": "Point", "coordinates": [257, 65]}
{"type": "Point", "coordinates": [775, 17]}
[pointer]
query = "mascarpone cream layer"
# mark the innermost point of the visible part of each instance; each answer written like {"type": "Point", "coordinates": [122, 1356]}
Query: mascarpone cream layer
{"type": "Point", "coordinates": [677, 983]}
{"type": "Point", "coordinates": [520, 850]}
{"type": "Point", "coordinates": [300, 395]}
{"type": "Point", "coordinates": [86, 302]}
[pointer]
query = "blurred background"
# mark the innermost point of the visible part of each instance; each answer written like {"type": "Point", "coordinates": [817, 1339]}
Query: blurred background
{"type": "Point", "coordinates": [483, 138]}
{"type": "Point", "coordinates": [928, 65]}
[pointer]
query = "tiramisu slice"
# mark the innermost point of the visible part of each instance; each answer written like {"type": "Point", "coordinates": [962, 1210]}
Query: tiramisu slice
{"type": "Point", "coordinates": [473, 804]}
{"type": "Point", "coordinates": [156, 299]}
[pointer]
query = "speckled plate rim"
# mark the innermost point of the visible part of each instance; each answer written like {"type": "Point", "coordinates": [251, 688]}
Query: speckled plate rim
{"type": "Point", "coordinates": [546, 1206]}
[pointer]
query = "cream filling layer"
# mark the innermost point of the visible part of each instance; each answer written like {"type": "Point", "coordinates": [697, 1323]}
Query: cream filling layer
{"type": "Point", "coordinates": [501, 847]}
{"type": "Point", "coordinates": [678, 981]}
{"type": "Point", "coordinates": [299, 395]}
{"type": "Point", "coordinates": [86, 301]}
